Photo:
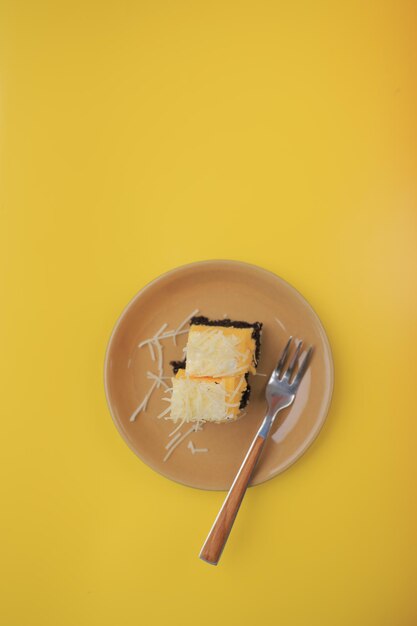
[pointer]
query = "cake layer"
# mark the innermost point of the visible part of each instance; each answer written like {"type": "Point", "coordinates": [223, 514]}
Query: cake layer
{"type": "Point", "coordinates": [219, 351]}
{"type": "Point", "coordinates": [206, 399]}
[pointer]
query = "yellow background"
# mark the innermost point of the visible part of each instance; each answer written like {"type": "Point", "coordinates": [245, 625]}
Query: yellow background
{"type": "Point", "coordinates": [291, 126]}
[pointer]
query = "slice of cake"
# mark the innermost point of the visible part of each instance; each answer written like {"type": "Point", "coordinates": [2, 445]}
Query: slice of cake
{"type": "Point", "coordinates": [211, 383]}
{"type": "Point", "coordinates": [222, 347]}
{"type": "Point", "coordinates": [206, 399]}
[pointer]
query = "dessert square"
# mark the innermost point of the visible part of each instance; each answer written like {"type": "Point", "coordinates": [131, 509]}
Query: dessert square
{"type": "Point", "coordinates": [221, 347]}
{"type": "Point", "coordinates": [211, 383]}
{"type": "Point", "coordinates": [206, 399]}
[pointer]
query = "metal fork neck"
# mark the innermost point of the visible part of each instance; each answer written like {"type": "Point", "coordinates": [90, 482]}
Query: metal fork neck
{"type": "Point", "coordinates": [276, 405]}
{"type": "Point", "coordinates": [267, 423]}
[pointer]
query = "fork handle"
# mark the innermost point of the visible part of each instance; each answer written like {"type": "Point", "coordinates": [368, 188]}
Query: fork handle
{"type": "Point", "coordinates": [219, 533]}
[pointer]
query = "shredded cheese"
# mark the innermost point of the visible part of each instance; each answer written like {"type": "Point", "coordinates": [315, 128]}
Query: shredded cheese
{"type": "Point", "coordinates": [166, 335]}
{"type": "Point", "coordinates": [154, 337]}
{"type": "Point", "coordinates": [152, 351]}
{"type": "Point", "coordinates": [194, 399]}
{"type": "Point", "coordinates": [173, 440]}
{"type": "Point", "coordinates": [169, 334]}
{"type": "Point", "coordinates": [194, 450]}
{"type": "Point", "coordinates": [213, 352]}
{"type": "Point", "coordinates": [234, 373]}
{"type": "Point", "coordinates": [177, 428]}
{"type": "Point", "coordinates": [160, 380]}
{"type": "Point", "coordinates": [180, 440]}
{"type": "Point", "coordinates": [183, 323]}
{"type": "Point", "coordinates": [142, 406]}
{"type": "Point", "coordinates": [279, 323]}
{"type": "Point", "coordinates": [160, 331]}
{"type": "Point", "coordinates": [164, 412]}
{"type": "Point", "coordinates": [160, 358]}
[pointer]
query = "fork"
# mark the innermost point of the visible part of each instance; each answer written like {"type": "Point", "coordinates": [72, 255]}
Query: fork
{"type": "Point", "coordinates": [281, 390]}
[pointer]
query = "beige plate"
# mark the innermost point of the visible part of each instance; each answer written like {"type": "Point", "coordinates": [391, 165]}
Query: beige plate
{"type": "Point", "coordinates": [217, 288]}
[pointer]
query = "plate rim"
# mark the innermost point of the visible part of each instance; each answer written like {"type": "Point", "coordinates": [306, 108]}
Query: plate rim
{"type": "Point", "coordinates": [309, 442]}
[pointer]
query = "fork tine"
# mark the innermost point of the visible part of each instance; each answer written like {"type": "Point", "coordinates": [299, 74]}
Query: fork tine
{"type": "Point", "coordinates": [283, 358]}
{"type": "Point", "coordinates": [293, 363]}
{"type": "Point", "coordinates": [303, 367]}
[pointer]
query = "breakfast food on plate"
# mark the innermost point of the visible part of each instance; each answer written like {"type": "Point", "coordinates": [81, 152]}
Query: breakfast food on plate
{"type": "Point", "coordinates": [211, 383]}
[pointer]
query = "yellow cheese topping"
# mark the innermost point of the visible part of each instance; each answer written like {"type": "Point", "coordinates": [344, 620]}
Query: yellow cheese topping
{"type": "Point", "coordinates": [205, 399]}
{"type": "Point", "coordinates": [218, 351]}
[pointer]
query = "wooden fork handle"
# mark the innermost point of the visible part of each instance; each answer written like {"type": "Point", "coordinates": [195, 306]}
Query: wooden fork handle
{"type": "Point", "coordinates": [218, 535]}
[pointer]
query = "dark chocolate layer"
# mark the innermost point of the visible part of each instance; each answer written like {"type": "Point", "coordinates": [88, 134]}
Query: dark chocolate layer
{"type": "Point", "coordinates": [246, 394]}
{"type": "Point", "coordinates": [177, 365]}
